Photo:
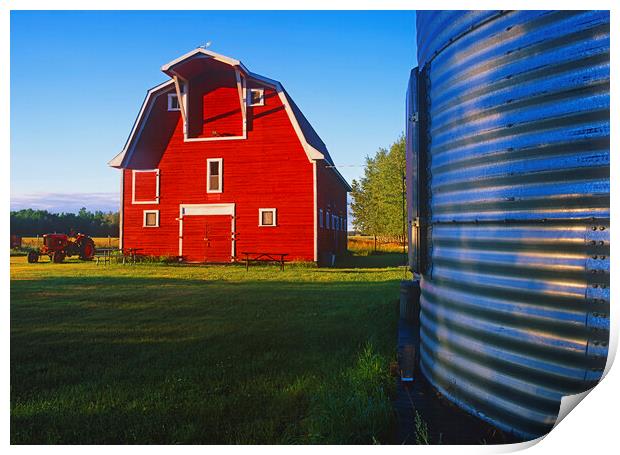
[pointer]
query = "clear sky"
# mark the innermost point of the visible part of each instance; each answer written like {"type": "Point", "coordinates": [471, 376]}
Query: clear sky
{"type": "Point", "coordinates": [78, 80]}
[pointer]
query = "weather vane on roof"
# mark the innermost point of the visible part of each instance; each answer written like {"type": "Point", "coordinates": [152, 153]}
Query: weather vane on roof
{"type": "Point", "coordinates": [206, 45]}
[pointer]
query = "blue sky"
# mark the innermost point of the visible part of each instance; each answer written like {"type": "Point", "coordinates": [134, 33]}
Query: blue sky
{"type": "Point", "coordinates": [78, 80]}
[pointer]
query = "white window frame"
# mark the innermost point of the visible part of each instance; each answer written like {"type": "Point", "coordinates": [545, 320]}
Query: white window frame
{"type": "Point", "coordinates": [321, 218]}
{"type": "Point", "coordinates": [133, 186]}
{"type": "Point", "coordinates": [144, 213]}
{"type": "Point", "coordinates": [220, 182]}
{"type": "Point", "coordinates": [260, 217]}
{"type": "Point", "coordinates": [262, 97]}
{"type": "Point", "coordinates": [170, 108]}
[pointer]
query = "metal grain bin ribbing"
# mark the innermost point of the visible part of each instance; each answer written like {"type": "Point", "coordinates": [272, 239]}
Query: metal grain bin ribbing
{"type": "Point", "coordinates": [515, 296]}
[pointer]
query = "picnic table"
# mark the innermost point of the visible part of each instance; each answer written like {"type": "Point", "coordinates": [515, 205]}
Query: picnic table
{"type": "Point", "coordinates": [131, 253]}
{"type": "Point", "coordinates": [264, 257]}
{"type": "Point", "coordinates": [104, 255]}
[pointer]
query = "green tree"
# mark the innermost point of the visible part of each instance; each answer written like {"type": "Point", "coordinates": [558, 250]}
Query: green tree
{"type": "Point", "coordinates": [30, 222]}
{"type": "Point", "coordinates": [377, 198]}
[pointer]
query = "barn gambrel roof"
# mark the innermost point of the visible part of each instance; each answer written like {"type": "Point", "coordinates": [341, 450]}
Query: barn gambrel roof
{"type": "Point", "coordinates": [314, 147]}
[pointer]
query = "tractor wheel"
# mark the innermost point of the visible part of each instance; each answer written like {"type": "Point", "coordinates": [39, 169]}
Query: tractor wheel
{"type": "Point", "coordinates": [58, 257]}
{"type": "Point", "coordinates": [87, 249]}
{"type": "Point", "coordinates": [33, 256]}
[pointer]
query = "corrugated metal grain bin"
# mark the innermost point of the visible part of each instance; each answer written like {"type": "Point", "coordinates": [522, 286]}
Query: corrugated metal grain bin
{"type": "Point", "coordinates": [508, 174]}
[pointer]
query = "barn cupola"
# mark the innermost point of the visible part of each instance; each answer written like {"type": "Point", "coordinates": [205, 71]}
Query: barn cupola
{"type": "Point", "coordinates": [210, 92]}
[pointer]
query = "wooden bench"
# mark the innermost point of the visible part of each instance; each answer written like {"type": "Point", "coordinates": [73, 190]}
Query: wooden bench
{"type": "Point", "coordinates": [264, 257]}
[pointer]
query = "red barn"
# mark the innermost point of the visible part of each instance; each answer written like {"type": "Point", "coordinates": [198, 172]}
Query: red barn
{"type": "Point", "coordinates": [221, 161]}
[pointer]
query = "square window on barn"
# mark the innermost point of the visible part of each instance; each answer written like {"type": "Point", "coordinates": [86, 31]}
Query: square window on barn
{"type": "Point", "coordinates": [266, 217]}
{"type": "Point", "coordinates": [151, 218]}
{"type": "Point", "coordinates": [257, 97]}
{"type": "Point", "coordinates": [214, 175]}
{"type": "Point", "coordinates": [145, 186]}
{"type": "Point", "coordinates": [173, 102]}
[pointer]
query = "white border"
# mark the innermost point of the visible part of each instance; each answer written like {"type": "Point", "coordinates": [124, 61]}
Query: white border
{"type": "Point", "coordinates": [220, 179]}
{"type": "Point", "coordinates": [260, 217]}
{"type": "Point", "coordinates": [592, 427]}
{"type": "Point", "coordinates": [170, 108]}
{"type": "Point", "coordinates": [262, 97]}
{"type": "Point", "coordinates": [144, 213]}
{"type": "Point", "coordinates": [206, 210]}
{"type": "Point", "coordinates": [138, 126]}
{"type": "Point", "coordinates": [121, 210]}
{"type": "Point", "coordinates": [315, 209]}
{"type": "Point", "coordinates": [133, 186]}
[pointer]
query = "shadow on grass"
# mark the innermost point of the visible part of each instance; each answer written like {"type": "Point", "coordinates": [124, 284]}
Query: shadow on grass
{"type": "Point", "coordinates": [370, 261]}
{"type": "Point", "coordinates": [117, 359]}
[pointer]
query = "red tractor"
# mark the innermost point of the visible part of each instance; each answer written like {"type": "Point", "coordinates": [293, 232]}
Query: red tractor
{"type": "Point", "coordinates": [59, 246]}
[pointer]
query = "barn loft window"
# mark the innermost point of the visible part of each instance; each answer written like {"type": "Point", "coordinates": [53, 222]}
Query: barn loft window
{"type": "Point", "coordinates": [214, 175]}
{"type": "Point", "coordinates": [173, 102]}
{"type": "Point", "coordinates": [151, 218]}
{"type": "Point", "coordinates": [145, 186]}
{"type": "Point", "coordinates": [257, 97]}
{"type": "Point", "coordinates": [266, 217]}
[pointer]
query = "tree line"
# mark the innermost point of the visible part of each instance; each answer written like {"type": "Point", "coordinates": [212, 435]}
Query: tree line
{"type": "Point", "coordinates": [377, 197]}
{"type": "Point", "coordinates": [30, 223]}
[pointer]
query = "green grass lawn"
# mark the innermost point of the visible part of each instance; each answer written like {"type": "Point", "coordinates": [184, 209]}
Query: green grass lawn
{"type": "Point", "coordinates": [157, 353]}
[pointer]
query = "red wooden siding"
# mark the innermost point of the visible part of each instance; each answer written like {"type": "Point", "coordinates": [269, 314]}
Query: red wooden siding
{"type": "Point", "coordinates": [207, 238]}
{"type": "Point", "coordinates": [145, 186]}
{"type": "Point", "coordinates": [215, 106]}
{"type": "Point", "coordinates": [155, 135]}
{"type": "Point", "coordinates": [332, 200]}
{"type": "Point", "coordinates": [267, 170]}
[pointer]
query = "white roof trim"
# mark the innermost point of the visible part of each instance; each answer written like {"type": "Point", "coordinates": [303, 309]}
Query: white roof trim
{"type": "Point", "coordinates": [342, 179]}
{"type": "Point", "coordinates": [118, 159]}
{"type": "Point", "coordinates": [312, 153]}
{"type": "Point", "coordinates": [216, 56]}
{"type": "Point", "coordinates": [266, 80]}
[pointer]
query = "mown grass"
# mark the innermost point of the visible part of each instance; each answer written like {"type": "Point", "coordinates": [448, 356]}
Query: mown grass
{"type": "Point", "coordinates": [157, 353]}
